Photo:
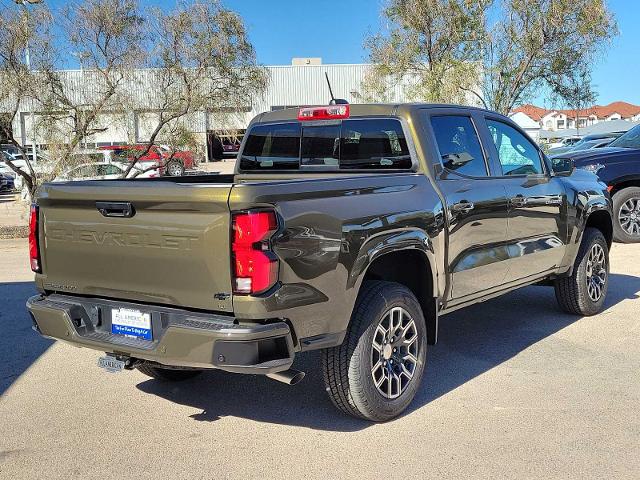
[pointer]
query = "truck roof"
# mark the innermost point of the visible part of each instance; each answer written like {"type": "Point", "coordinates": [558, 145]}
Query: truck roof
{"type": "Point", "coordinates": [362, 110]}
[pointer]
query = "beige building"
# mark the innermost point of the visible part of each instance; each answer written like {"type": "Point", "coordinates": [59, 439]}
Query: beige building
{"type": "Point", "coordinates": [302, 83]}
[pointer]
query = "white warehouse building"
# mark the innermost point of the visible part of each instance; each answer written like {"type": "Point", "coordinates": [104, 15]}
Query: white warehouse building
{"type": "Point", "coordinates": [302, 83]}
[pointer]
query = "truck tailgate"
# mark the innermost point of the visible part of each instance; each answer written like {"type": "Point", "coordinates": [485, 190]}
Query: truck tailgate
{"type": "Point", "coordinates": [173, 250]}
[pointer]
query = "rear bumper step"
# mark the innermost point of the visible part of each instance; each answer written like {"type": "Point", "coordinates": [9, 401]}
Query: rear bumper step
{"type": "Point", "coordinates": [180, 338]}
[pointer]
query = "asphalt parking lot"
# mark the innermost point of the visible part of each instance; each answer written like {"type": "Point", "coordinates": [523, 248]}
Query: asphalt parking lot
{"type": "Point", "coordinates": [514, 389]}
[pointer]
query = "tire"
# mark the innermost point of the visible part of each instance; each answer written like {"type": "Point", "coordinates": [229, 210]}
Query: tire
{"type": "Point", "coordinates": [348, 369]}
{"type": "Point", "coordinates": [174, 169]}
{"type": "Point", "coordinates": [626, 203]}
{"type": "Point", "coordinates": [576, 294]}
{"type": "Point", "coordinates": [167, 374]}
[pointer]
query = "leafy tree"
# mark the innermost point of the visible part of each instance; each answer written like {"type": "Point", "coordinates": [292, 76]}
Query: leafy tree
{"type": "Point", "coordinates": [108, 38]}
{"type": "Point", "coordinates": [202, 61]}
{"type": "Point", "coordinates": [452, 50]}
{"type": "Point", "coordinates": [575, 91]}
{"type": "Point", "coordinates": [432, 47]}
{"type": "Point", "coordinates": [538, 44]}
{"type": "Point", "coordinates": [20, 29]}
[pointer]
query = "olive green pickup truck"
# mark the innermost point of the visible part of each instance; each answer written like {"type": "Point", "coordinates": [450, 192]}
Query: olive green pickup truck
{"type": "Point", "coordinates": [346, 228]}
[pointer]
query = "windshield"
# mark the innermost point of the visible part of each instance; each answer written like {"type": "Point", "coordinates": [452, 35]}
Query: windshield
{"type": "Point", "coordinates": [631, 139]}
{"type": "Point", "coordinates": [584, 145]}
{"type": "Point", "coordinates": [579, 142]}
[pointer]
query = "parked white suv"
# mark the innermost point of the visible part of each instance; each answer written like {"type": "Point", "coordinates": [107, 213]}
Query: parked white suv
{"type": "Point", "coordinates": [564, 142]}
{"type": "Point", "coordinates": [102, 171]}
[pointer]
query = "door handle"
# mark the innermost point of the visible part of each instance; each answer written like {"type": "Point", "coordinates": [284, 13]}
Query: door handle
{"type": "Point", "coordinates": [462, 207]}
{"type": "Point", "coordinates": [518, 201]}
{"type": "Point", "coordinates": [116, 209]}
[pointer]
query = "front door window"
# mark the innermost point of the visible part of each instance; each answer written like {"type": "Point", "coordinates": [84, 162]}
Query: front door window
{"type": "Point", "coordinates": [517, 154]}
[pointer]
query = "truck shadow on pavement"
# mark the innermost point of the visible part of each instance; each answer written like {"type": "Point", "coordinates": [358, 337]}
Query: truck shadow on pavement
{"type": "Point", "coordinates": [471, 342]}
{"type": "Point", "coordinates": [20, 346]}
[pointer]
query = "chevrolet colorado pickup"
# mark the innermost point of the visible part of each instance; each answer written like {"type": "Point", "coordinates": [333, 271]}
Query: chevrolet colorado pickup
{"type": "Point", "coordinates": [346, 228]}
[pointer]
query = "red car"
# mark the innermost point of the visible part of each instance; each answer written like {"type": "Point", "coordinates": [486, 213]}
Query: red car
{"type": "Point", "coordinates": [169, 164]}
{"type": "Point", "coordinates": [231, 147]}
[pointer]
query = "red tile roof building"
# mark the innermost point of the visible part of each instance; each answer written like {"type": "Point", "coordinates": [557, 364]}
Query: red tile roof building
{"type": "Point", "coordinates": [558, 119]}
{"type": "Point", "coordinates": [533, 112]}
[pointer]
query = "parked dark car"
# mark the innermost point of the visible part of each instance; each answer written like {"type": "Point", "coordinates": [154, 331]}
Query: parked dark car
{"type": "Point", "coordinates": [7, 183]}
{"type": "Point", "coordinates": [17, 154]}
{"type": "Point", "coordinates": [586, 143]}
{"type": "Point", "coordinates": [589, 144]}
{"type": "Point", "coordinates": [618, 165]}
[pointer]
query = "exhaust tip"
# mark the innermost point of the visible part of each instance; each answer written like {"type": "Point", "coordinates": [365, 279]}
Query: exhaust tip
{"type": "Point", "coordinates": [297, 378]}
{"type": "Point", "coordinates": [290, 377]}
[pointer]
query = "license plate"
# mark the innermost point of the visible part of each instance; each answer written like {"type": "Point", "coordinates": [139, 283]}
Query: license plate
{"type": "Point", "coordinates": [111, 364]}
{"type": "Point", "coordinates": [132, 323]}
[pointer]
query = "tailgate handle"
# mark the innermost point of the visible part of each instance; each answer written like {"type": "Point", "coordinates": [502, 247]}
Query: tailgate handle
{"type": "Point", "coordinates": [116, 209]}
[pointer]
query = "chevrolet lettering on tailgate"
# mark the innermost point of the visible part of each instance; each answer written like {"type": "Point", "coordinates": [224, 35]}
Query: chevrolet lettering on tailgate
{"type": "Point", "coordinates": [173, 242]}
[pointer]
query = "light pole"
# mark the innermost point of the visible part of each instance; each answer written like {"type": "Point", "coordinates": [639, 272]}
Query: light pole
{"type": "Point", "coordinates": [27, 57]}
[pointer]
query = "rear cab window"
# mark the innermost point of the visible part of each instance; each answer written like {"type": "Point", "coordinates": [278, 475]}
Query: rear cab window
{"type": "Point", "coordinates": [321, 146]}
{"type": "Point", "coordinates": [353, 144]}
{"type": "Point", "coordinates": [378, 143]}
{"type": "Point", "coordinates": [272, 147]}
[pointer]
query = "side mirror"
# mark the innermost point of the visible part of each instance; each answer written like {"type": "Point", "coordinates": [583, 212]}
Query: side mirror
{"type": "Point", "coordinates": [562, 167]}
{"type": "Point", "coordinates": [455, 160]}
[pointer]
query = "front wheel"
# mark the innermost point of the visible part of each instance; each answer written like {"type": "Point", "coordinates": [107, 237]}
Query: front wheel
{"type": "Point", "coordinates": [584, 292]}
{"type": "Point", "coordinates": [377, 370]}
{"type": "Point", "coordinates": [626, 208]}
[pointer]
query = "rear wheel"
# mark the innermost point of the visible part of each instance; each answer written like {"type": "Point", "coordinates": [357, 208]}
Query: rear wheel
{"type": "Point", "coordinates": [377, 370]}
{"type": "Point", "coordinates": [584, 292]}
{"type": "Point", "coordinates": [175, 169]}
{"type": "Point", "coordinates": [626, 208]}
{"type": "Point", "coordinates": [167, 374]}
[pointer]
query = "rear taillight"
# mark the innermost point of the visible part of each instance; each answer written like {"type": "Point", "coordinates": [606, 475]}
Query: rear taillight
{"type": "Point", "coordinates": [34, 248]}
{"type": "Point", "coordinates": [329, 112]}
{"type": "Point", "coordinates": [255, 265]}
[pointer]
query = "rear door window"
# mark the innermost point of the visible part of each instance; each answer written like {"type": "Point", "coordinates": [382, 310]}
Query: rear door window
{"type": "Point", "coordinates": [272, 147]}
{"type": "Point", "coordinates": [109, 170]}
{"type": "Point", "coordinates": [373, 144]}
{"type": "Point", "coordinates": [122, 154]}
{"type": "Point", "coordinates": [84, 171]}
{"type": "Point", "coordinates": [459, 146]}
